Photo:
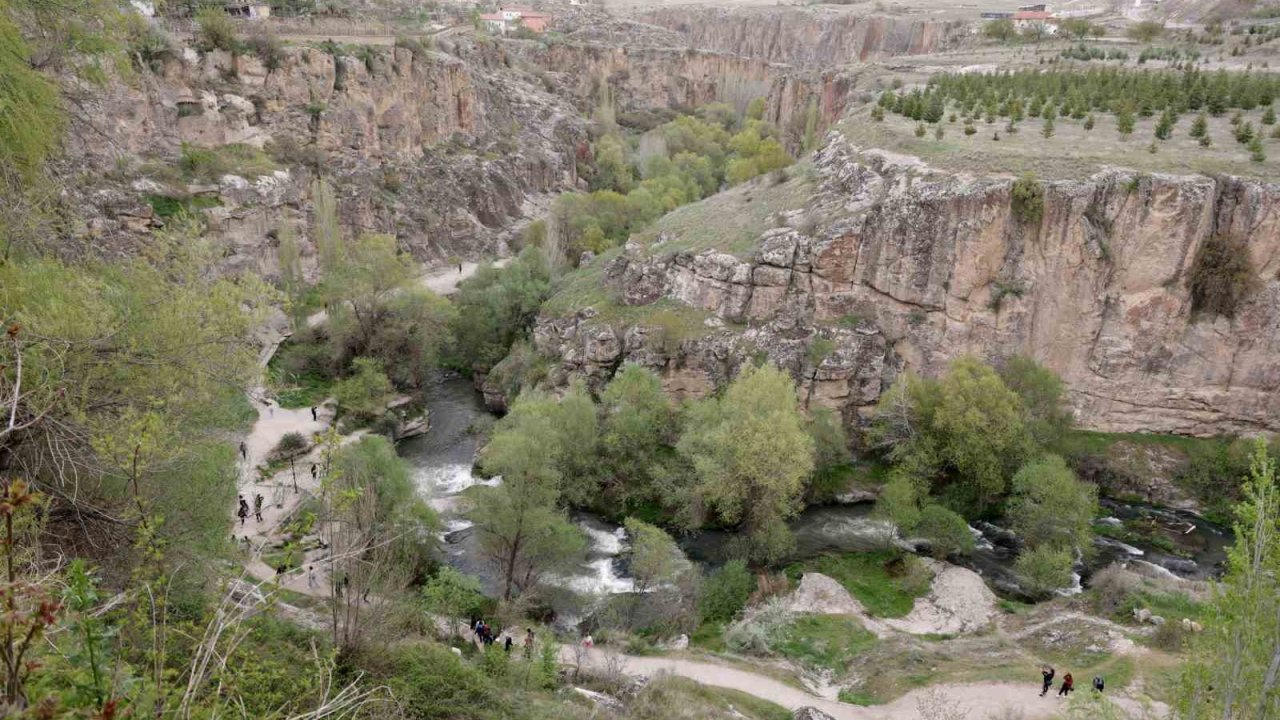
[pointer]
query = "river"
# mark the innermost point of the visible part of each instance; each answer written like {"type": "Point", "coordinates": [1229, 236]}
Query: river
{"type": "Point", "coordinates": [442, 461]}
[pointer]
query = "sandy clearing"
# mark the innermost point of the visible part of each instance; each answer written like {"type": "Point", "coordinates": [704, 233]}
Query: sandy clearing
{"type": "Point", "coordinates": [981, 699]}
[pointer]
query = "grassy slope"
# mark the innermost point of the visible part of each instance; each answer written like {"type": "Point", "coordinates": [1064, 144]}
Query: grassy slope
{"type": "Point", "coordinates": [1071, 152]}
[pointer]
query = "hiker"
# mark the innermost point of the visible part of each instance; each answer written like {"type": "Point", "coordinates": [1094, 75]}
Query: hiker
{"type": "Point", "coordinates": [1067, 685]}
{"type": "Point", "coordinates": [313, 471]}
{"type": "Point", "coordinates": [1047, 673]}
{"type": "Point", "coordinates": [244, 451]}
{"type": "Point", "coordinates": [1097, 683]}
{"type": "Point", "coordinates": [588, 642]}
{"type": "Point", "coordinates": [314, 418]}
{"type": "Point", "coordinates": [257, 507]}
{"type": "Point", "coordinates": [311, 576]}
{"type": "Point", "coordinates": [243, 512]}
{"type": "Point", "coordinates": [506, 645]}
{"type": "Point", "coordinates": [528, 644]}
{"type": "Point", "coordinates": [459, 268]}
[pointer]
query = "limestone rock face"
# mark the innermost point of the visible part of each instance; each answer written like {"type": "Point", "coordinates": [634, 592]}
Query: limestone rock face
{"type": "Point", "coordinates": [449, 152]}
{"type": "Point", "coordinates": [916, 267]}
{"type": "Point", "coordinates": [805, 37]}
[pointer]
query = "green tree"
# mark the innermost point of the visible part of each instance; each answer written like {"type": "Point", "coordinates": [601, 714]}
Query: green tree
{"type": "Point", "coordinates": [577, 430]}
{"type": "Point", "coordinates": [755, 110]}
{"type": "Point", "coordinates": [1199, 127]}
{"type": "Point", "coordinates": [1233, 668]}
{"type": "Point", "coordinates": [411, 337]}
{"type": "Point", "coordinates": [291, 281]}
{"type": "Point", "coordinates": [638, 422]}
{"type": "Point", "coordinates": [452, 594]}
{"type": "Point", "coordinates": [947, 533]}
{"type": "Point", "coordinates": [1043, 398]}
{"type": "Point", "coordinates": [612, 169]}
{"type": "Point", "coordinates": [1049, 506]}
{"type": "Point", "coordinates": [1124, 122]}
{"type": "Point", "coordinates": [496, 306]}
{"type": "Point", "coordinates": [655, 562]}
{"type": "Point", "coordinates": [521, 530]}
{"type": "Point", "coordinates": [366, 391]}
{"type": "Point", "coordinates": [1256, 152]}
{"type": "Point", "coordinates": [751, 455]}
{"type": "Point", "coordinates": [965, 431]}
{"type": "Point", "coordinates": [372, 270]}
{"type": "Point", "coordinates": [727, 592]}
{"type": "Point", "coordinates": [1002, 30]}
{"type": "Point", "coordinates": [899, 502]}
{"type": "Point", "coordinates": [1145, 31]}
{"type": "Point", "coordinates": [1045, 569]}
{"type": "Point", "coordinates": [215, 30]}
{"type": "Point", "coordinates": [325, 230]}
{"type": "Point", "coordinates": [1047, 129]}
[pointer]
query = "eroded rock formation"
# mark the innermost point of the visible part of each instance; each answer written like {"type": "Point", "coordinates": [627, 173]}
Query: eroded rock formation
{"type": "Point", "coordinates": [805, 36]}
{"type": "Point", "coordinates": [915, 267]}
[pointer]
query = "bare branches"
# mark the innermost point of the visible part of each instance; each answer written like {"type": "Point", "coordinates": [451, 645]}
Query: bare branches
{"type": "Point", "coordinates": [20, 415]}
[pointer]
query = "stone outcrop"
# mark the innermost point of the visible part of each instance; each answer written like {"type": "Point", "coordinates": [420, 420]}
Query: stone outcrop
{"type": "Point", "coordinates": [446, 151]}
{"type": "Point", "coordinates": [822, 595]}
{"type": "Point", "coordinates": [914, 268]}
{"type": "Point", "coordinates": [820, 38]}
{"type": "Point", "coordinates": [662, 78]}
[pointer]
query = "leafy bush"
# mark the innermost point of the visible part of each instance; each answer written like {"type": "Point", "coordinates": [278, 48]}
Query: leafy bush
{"type": "Point", "coordinates": [365, 392]}
{"type": "Point", "coordinates": [216, 31]}
{"type": "Point", "coordinates": [290, 444]}
{"type": "Point", "coordinates": [268, 48]}
{"type": "Point", "coordinates": [822, 642]}
{"type": "Point", "coordinates": [1221, 276]}
{"type": "Point", "coordinates": [947, 532]}
{"type": "Point", "coordinates": [726, 592]}
{"type": "Point", "coordinates": [1045, 569]}
{"type": "Point", "coordinates": [1027, 197]}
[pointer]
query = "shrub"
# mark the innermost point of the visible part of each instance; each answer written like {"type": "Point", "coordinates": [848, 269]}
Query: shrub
{"type": "Point", "coordinates": [1221, 276]}
{"type": "Point", "coordinates": [290, 445]}
{"type": "Point", "coordinates": [726, 592]}
{"type": "Point", "coordinates": [1028, 199]}
{"type": "Point", "coordinates": [215, 31]}
{"type": "Point", "coordinates": [1044, 570]}
{"type": "Point", "coordinates": [1111, 590]}
{"type": "Point", "coordinates": [947, 532]}
{"type": "Point", "coordinates": [268, 48]}
{"type": "Point", "coordinates": [1170, 636]}
{"type": "Point", "coordinates": [364, 393]}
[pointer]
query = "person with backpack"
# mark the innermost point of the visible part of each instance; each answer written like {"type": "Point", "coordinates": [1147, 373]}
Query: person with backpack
{"type": "Point", "coordinates": [1047, 673]}
{"type": "Point", "coordinates": [1097, 683]}
{"type": "Point", "coordinates": [1068, 684]}
{"type": "Point", "coordinates": [243, 512]}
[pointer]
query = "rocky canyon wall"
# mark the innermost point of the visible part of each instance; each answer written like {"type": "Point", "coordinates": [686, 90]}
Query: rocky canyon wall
{"type": "Point", "coordinates": [445, 151]}
{"type": "Point", "coordinates": [649, 78]}
{"type": "Point", "coordinates": [913, 268]}
{"type": "Point", "coordinates": [818, 38]}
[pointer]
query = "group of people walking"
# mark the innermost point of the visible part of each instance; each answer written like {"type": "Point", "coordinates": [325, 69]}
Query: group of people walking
{"type": "Point", "coordinates": [485, 635]}
{"type": "Point", "coordinates": [1068, 683]}
{"type": "Point", "coordinates": [243, 511]}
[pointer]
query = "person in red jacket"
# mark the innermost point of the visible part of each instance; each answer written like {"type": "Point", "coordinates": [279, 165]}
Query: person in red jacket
{"type": "Point", "coordinates": [1067, 685]}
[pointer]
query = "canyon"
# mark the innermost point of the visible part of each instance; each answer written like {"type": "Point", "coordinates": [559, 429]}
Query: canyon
{"type": "Point", "coordinates": [913, 267]}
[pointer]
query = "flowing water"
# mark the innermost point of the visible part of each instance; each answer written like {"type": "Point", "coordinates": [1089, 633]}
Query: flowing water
{"type": "Point", "coordinates": [442, 461]}
{"type": "Point", "coordinates": [1179, 543]}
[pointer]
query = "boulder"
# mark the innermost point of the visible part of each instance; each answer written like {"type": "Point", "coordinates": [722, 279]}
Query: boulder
{"type": "Point", "coordinates": [822, 595]}
{"type": "Point", "coordinates": [1156, 620]}
{"type": "Point", "coordinates": [680, 643]}
{"type": "Point", "coordinates": [1141, 614]}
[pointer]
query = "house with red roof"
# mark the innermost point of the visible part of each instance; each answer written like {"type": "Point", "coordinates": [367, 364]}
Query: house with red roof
{"type": "Point", "coordinates": [1033, 19]}
{"type": "Point", "coordinates": [513, 17]}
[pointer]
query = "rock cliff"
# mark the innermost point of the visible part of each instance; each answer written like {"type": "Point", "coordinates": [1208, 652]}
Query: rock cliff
{"type": "Point", "coordinates": [446, 151]}
{"type": "Point", "coordinates": [911, 267]}
{"type": "Point", "coordinates": [820, 38]}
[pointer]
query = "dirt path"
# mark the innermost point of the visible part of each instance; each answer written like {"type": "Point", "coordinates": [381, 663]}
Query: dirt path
{"type": "Point", "coordinates": [980, 699]}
